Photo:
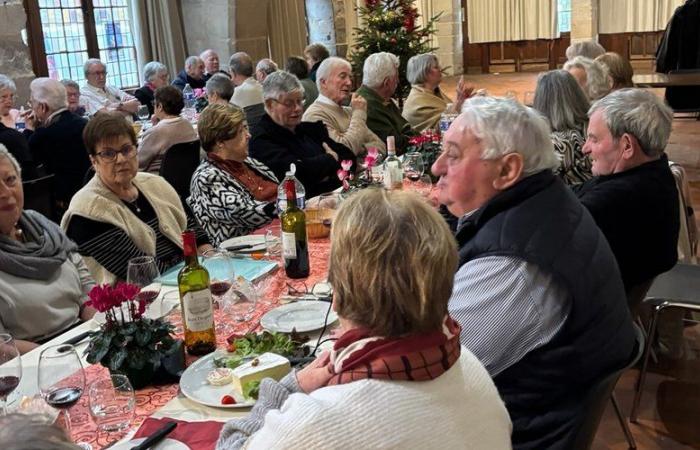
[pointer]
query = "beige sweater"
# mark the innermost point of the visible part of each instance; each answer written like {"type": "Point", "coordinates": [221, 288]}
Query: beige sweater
{"type": "Point", "coordinates": [157, 140]}
{"type": "Point", "coordinates": [423, 108]}
{"type": "Point", "coordinates": [344, 126]}
{"type": "Point", "coordinates": [96, 201]}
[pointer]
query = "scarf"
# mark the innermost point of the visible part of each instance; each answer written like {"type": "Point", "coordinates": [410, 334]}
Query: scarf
{"type": "Point", "coordinates": [45, 250]}
{"type": "Point", "coordinates": [358, 355]}
{"type": "Point", "coordinates": [260, 188]}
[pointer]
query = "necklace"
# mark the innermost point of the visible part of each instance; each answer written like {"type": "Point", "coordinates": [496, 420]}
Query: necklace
{"type": "Point", "coordinates": [133, 205]}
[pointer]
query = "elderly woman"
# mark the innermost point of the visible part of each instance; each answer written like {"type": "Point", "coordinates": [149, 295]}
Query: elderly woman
{"type": "Point", "coordinates": [219, 89]}
{"type": "Point", "coordinates": [41, 274]}
{"type": "Point", "coordinates": [8, 115]}
{"type": "Point", "coordinates": [619, 69]}
{"type": "Point", "coordinates": [314, 54]}
{"type": "Point", "coordinates": [298, 67]}
{"type": "Point", "coordinates": [231, 194]}
{"type": "Point", "coordinates": [560, 99]}
{"type": "Point", "coordinates": [73, 95]}
{"type": "Point", "coordinates": [122, 213]}
{"type": "Point", "coordinates": [409, 363]}
{"type": "Point", "coordinates": [280, 138]}
{"type": "Point", "coordinates": [590, 75]}
{"type": "Point", "coordinates": [155, 75]}
{"type": "Point", "coordinates": [426, 101]}
{"type": "Point", "coordinates": [171, 129]}
{"type": "Point", "coordinates": [588, 49]}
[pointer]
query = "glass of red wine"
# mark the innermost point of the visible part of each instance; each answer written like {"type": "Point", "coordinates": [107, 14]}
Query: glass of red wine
{"type": "Point", "coordinates": [10, 369]}
{"type": "Point", "coordinates": [220, 267]}
{"type": "Point", "coordinates": [413, 166]}
{"type": "Point", "coordinates": [61, 378]}
{"type": "Point", "coordinates": [143, 272]}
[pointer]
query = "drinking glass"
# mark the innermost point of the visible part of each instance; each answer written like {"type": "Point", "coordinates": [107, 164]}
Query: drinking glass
{"type": "Point", "coordinates": [220, 267]}
{"type": "Point", "coordinates": [377, 171]}
{"type": "Point", "coordinates": [143, 114]}
{"type": "Point", "coordinates": [10, 369]}
{"type": "Point", "coordinates": [273, 241]}
{"type": "Point", "coordinates": [413, 166]}
{"type": "Point", "coordinates": [240, 305]}
{"type": "Point", "coordinates": [112, 403]}
{"type": "Point", "coordinates": [512, 95]}
{"type": "Point", "coordinates": [424, 186]}
{"type": "Point", "coordinates": [143, 272]}
{"type": "Point", "coordinates": [529, 99]}
{"type": "Point", "coordinates": [61, 378]}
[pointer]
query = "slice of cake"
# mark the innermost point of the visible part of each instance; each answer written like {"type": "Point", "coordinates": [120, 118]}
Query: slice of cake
{"type": "Point", "coordinates": [267, 365]}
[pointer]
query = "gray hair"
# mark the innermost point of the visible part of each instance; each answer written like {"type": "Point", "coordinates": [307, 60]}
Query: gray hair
{"type": "Point", "coordinates": [588, 49]}
{"type": "Point", "coordinates": [280, 83]}
{"type": "Point", "coordinates": [266, 65]}
{"type": "Point", "coordinates": [639, 113]}
{"type": "Point", "coordinates": [241, 64]}
{"type": "Point", "coordinates": [378, 67]}
{"type": "Point", "coordinates": [220, 85]}
{"type": "Point", "coordinates": [505, 126]}
{"type": "Point", "coordinates": [560, 99]}
{"type": "Point", "coordinates": [597, 81]}
{"type": "Point", "coordinates": [7, 83]}
{"type": "Point", "coordinates": [206, 52]}
{"type": "Point", "coordinates": [418, 67]}
{"type": "Point", "coordinates": [28, 432]}
{"type": "Point", "coordinates": [50, 92]}
{"type": "Point", "coordinates": [328, 66]}
{"type": "Point", "coordinates": [91, 62]}
{"type": "Point", "coordinates": [152, 69]}
{"type": "Point", "coordinates": [70, 83]}
{"type": "Point", "coordinates": [193, 60]}
{"type": "Point", "coordinates": [5, 153]}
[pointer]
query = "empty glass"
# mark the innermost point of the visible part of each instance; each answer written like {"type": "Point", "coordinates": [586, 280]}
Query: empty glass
{"type": "Point", "coordinates": [240, 304]}
{"type": "Point", "coordinates": [273, 241]}
{"type": "Point", "coordinates": [143, 114]}
{"type": "Point", "coordinates": [413, 166]}
{"type": "Point", "coordinates": [112, 403]}
{"type": "Point", "coordinates": [10, 369]}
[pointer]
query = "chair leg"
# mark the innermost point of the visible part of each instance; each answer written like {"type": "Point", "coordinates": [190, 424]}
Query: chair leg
{"type": "Point", "coordinates": [645, 362]}
{"type": "Point", "coordinates": [623, 423]}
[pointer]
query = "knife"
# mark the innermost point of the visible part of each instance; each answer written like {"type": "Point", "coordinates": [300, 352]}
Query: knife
{"type": "Point", "coordinates": [235, 248]}
{"type": "Point", "coordinates": [79, 338]}
{"type": "Point", "coordinates": [156, 436]}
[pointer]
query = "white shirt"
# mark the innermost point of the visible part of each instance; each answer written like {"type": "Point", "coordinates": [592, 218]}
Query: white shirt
{"type": "Point", "coordinates": [247, 93]}
{"type": "Point", "coordinates": [95, 98]}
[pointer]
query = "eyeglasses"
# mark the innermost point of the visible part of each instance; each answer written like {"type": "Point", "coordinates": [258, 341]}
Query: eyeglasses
{"type": "Point", "coordinates": [319, 291]}
{"type": "Point", "coordinates": [289, 104]}
{"type": "Point", "coordinates": [99, 73]}
{"type": "Point", "coordinates": [110, 155]}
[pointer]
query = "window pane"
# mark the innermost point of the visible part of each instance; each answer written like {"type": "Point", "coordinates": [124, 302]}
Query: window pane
{"type": "Point", "coordinates": [564, 15]}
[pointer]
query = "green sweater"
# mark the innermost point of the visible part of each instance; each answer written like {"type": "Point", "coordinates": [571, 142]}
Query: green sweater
{"type": "Point", "coordinates": [386, 119]}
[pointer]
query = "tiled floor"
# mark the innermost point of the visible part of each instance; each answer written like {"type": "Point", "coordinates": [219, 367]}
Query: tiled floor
{"type": "Point", "coordinates": [669, 416]}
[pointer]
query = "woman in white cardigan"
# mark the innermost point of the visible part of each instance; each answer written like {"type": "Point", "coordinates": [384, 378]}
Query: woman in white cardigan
{"type": "Point", "coordinates": [397, 376]}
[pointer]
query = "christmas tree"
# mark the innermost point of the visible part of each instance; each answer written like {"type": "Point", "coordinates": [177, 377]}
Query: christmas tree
{"type": "Point", "coordinates": [390, 26]}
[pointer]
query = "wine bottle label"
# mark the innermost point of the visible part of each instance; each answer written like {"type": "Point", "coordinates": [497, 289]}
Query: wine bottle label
{"type": "Point", "coordinates": [289, 245]}
{"type": "Point", "coordinates": [198, 314]}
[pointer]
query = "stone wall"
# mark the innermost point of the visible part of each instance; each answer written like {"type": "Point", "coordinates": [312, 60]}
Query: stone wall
{"type": "Point", "coordinates": [321, 23]}
{"type": "Point", "coordinates": [584, 20]}
{"type": "Point", "coordinates": [15, 58]}
{"type": "Point", "coordinates": [448, 39]}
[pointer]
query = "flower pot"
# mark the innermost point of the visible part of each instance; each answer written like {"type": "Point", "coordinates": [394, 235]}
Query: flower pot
{"type": "Point", "coordinates": [139, 378]}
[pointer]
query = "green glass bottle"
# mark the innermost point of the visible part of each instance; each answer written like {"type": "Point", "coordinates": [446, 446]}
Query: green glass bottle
{"type": "Point", "coordinates": [295, 247]}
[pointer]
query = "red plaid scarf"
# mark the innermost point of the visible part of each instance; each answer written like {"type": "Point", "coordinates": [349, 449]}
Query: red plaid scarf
{"type": "Point", "coordinates": [358, 355]}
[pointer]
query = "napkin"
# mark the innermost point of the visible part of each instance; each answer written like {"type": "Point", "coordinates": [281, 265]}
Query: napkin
{"type": "Point", "coordinates": [249, 269]}
{"type": "Point", "coordinates": [196, 435]}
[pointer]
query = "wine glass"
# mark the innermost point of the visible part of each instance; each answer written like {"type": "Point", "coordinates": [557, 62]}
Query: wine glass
{"type": "Point", "coordinates": [273, 241]}
{"type": "Point", "coordinates": [143, 114]}
{"type": "Point", "coordinates": [220, 267]}
{"type": "Point", "coordinates": [61, 378]}
{"type": "Point", "coordinates": [424, 186]}
{"type": "Point", "coordinates": [529, 98]}
{"type": "Point", "coordinates": [377, 172]}
{"type": "Point", "coordinates": [10, 369]}
{"type": "Point", "coordinates": [413, 166]}
{"type": "Point", "coordinates": [143, 272]}
{"type": "Point", "coordinates": [112, 403]}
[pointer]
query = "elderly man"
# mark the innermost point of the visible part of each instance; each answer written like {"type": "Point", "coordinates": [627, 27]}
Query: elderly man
{"type": "Point", "coordinates": [73, 94]}
{"type": "Point", "coordinates": [97, 96]}
{"type": "Point", "coordinates": [211, 63]}
{"type": "Point", "coordinates": [263, 68]}
{"type": "Point", "coordinates": [192, 74]}
{"type": "Point", "coordinates": [155, 75]}
{"type": "Point", "coordinates": [248, 91]}
{"type": "Point", "coordinates": [633, 196]}
{"type": "Point", "coordinates": [55, 138]}
{"type": "Point", "coordinates": [538, 292]}
{"type": "Point", "coordinates": [380, 77]}
{"type": "Point", "coordinates": [345, 125]}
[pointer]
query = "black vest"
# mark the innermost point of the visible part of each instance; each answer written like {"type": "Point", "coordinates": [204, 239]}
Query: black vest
{"type": "Point", "coordinates": [542, 222]}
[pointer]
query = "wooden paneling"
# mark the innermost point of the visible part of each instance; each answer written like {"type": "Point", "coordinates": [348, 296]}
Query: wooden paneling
{"type": "Point", "coordinates": [639, 48]}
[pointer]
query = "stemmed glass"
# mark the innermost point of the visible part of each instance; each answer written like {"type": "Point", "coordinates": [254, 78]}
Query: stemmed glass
{"type": "Point", "coordinates": [143, 272]}
{"type": "Point", "coordinates": [143, 114]}
{"type": "Point", "coordinates": [10, 369]}
{"type": "Point", "coordinates": [413, 166]}
{"type": "Point", "coordinates": [220, 267]}
{"type": "Point", "coordinates": [61, 378]}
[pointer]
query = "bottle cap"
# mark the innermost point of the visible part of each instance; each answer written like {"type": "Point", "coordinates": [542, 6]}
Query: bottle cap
{"type": "Point", "coordinates": [293, 168]}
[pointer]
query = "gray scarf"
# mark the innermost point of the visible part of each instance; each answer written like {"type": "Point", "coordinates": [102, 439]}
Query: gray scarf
{"type": "Point", "coordinates": [45, 250]}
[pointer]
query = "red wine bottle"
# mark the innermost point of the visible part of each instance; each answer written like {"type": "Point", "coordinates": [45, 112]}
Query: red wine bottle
{"type": "Point", "coordinates": [294, 243]}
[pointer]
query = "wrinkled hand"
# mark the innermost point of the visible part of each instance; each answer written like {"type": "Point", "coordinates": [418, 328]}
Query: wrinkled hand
{"type": "Point", "coordinates": [30, 120]}
{"type": "Point", "coordinates": [464, 90]}
{"type": "Point", "coordinates": [316, 374]}
{"type": "Point", "coordinates": [131, 106]}
{"type": "Point", "coordinates": [358, 102]}
{"type": "Point", "coordinates": [330, 151]}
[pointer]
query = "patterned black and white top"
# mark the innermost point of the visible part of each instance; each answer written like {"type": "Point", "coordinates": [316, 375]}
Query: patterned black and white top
{"type": "Point", "coordinates": [575, 166]}
{"type": "Point", "coordinates": [223, 206]}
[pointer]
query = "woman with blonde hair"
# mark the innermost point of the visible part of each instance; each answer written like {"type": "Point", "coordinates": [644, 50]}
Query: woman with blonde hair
{"type": "Point", "coordinates": [397, 359]}
{"type": "Point", "coordinates": [620, 70]}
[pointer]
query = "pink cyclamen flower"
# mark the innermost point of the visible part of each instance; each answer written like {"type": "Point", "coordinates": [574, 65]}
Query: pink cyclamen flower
{"type": "Point", "coordinates": [370, 161]}
{"type": "Point", "coordinates": [346, 164]}
{"type": "Point", "coordinates": [342, 174]}
{"type": "Point", "coordinates": [127, 291]}
{"type": "Point", "coordinates": [372, 152]}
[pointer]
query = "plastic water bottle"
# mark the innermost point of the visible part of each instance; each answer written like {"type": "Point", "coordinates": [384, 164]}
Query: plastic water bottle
{"type": "Point", "coordinates": [20, 125]}
{"type": "Point", "coordinates": [446, 119]}
{"type": "Point", "coordinates": [282, 195]}
{"type": "Point", "coordinates": [188, 96]}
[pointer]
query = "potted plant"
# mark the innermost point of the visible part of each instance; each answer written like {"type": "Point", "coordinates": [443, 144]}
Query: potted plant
{"type": "Point", "coordinates": [366, 176]}
{"type": "Point", "coordinates": [128, 342]}
{"type": "Point", "coordinates": [428, 145]}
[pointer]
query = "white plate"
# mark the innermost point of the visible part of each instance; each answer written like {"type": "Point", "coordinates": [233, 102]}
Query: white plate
{"type": "Point", "coordinates": [256, 241]}
{"type": "Point", "coordinates": [302, 315]}
{"type": "Point", "coordinates": [165, 444]}
{"type": "Point", "coordinates": [193, 383]}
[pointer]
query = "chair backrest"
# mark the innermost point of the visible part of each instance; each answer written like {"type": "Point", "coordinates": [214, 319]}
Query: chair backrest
{"type": "Point", "coordinates": [688, 232]}
{"type": "Point", "coordinates": [253, 113]}
{"type": "Point", "coordinates": [179, 163]}
{"type": "Point", "coordinates": [38, 195]}
{"type": "Point", "coordinates": [637, 294]}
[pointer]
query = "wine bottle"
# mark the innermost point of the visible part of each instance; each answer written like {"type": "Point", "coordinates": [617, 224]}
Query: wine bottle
{"type": "Point", "coordinates": [393, 171]}
{"type": "Point", "coordinates": [294, 244]}
{"type": "Point", "coordinates": [196, 301]}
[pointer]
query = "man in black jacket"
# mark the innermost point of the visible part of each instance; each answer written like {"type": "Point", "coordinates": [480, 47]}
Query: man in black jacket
{"type": "Point", "coordinates": [16, 143]}
{"type": "Point", "coordinates": [192, 74]}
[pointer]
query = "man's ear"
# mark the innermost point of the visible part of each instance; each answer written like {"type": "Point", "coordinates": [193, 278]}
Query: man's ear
{"type": "Point", "coordinates": [510, 170]}
{"type": "Point", "coordinates": [629, 145]}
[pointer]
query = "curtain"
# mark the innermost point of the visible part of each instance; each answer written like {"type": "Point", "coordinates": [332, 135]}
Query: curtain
{"type": "Point", "coordinates": [629, 16]}
{"type": "Point", "coordinates": [159, 33]}
{"type": "Point", "coordinates": [511, 20]}
{"type": "Point", "coordinates": [286, 21]}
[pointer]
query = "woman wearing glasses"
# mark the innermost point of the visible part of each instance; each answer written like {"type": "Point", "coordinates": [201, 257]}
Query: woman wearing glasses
{"type": "Point", "coordinates": [122, 213]}
{"type": "Point", "coordinates": [281, 138]}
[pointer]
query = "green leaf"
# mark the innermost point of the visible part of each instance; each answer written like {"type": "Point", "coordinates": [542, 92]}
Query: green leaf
{"type": "Point", "coordinates": [143, 337]}
{"type": "Point", "coordinates": [251, 389]}
{"type": "Point", "coordinates": [128, 328]}
{"type": "Point", "coordinates": [117, 358]}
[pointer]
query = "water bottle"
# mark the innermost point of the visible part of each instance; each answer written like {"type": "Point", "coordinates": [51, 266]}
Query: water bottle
{"type": "Point", "coordinates": [282, 195]}
{"type": "Point", "coordinates": [188, 96]}
{"type": "Point", "coordinates": [446, 119]}
{"type": "Point", "coordinates": [20, 125]}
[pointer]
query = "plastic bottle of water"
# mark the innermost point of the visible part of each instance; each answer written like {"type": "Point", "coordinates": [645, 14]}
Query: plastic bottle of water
{"type": "Point", "coordinates": [282, 195]}
{"type": "Point", "coordinates": [20, 125]}
{"type": "Point", "coordinates": [188, 96]}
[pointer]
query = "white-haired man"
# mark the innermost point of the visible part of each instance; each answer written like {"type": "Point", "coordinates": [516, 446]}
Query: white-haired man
{"type": "Point", "coordinates": [380, 77]}
{"type": "Point", "coordinates": [55, 138]}
{"type": "Point", "coordinates": [97, 96]}
{"type": "Point", "coordinates": [192, 74]}
{"type": "Point", "coordinates": [345, 125]}
{"type": "Point", "coordinates": [211, 63]}
{"type": "Point", "coordinates": [248, 91]}
{"type": "Point", "coordinates": [263, 68]}
{"type": "Point", "coordinates": [538, 292]}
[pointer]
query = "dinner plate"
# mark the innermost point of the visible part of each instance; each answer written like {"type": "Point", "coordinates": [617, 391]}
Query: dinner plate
{"type": "Point", "coordinates": [256, 242]}
{"type": "Point", "coordinates": [165, 444]}
{"type": "Point", "coordinates": [193, 383]}
{"type": "Point", "coordinates": [302, 315]}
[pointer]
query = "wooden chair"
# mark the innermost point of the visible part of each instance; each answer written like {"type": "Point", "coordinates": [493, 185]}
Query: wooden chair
{"type": "Point", "coordinates": [179, 163]}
